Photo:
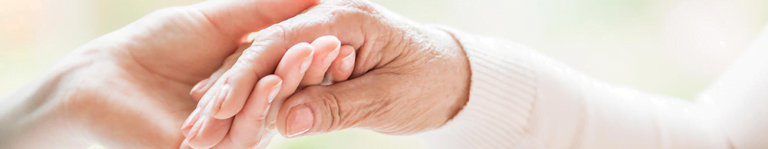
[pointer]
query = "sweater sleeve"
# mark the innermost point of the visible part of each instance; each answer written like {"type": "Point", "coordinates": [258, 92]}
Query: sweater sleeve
{"type": "Point", "coordinates": [522, 99]}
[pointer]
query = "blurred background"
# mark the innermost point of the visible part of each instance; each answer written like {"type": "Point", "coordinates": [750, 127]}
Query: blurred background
{"type": "Point", "coordinates": [671, 47]}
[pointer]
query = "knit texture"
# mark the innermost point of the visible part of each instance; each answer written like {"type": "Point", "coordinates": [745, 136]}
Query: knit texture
{"type": "Point", "coordinates": [502, 93]}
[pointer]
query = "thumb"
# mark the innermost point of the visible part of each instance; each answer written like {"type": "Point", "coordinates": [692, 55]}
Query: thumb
{"type": "Point", "coordinates": [322, 109]}
{"type": "Point", "coordinates": [236, 18]}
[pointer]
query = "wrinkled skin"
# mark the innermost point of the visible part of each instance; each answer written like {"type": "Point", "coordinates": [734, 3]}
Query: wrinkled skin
{"type": "Point", "coordinates": [407, 77]}
{"type": "Point", "coordinates": [324, 61]}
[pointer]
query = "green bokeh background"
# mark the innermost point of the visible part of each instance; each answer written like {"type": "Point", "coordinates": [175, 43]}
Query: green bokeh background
{"type": "Point", "coordinates": [671, 47]}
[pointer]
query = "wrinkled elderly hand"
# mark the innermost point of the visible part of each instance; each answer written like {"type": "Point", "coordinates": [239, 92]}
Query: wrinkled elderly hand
{"type": "Point", "coordinates": [407, 77]}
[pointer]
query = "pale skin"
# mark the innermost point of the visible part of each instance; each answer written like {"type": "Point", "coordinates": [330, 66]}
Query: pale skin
{"type": "Point", "coordinates": [131, 88]}
{"type": "Point", "coordinates": [402, 68]}
{"type": "Point", "coordinates": [302, 65]}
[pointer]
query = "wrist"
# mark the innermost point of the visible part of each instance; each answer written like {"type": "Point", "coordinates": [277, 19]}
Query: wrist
{"type": "Point", "coordinates": [39, 112]}
{"type": "Point", "coordinates": [460, 61]}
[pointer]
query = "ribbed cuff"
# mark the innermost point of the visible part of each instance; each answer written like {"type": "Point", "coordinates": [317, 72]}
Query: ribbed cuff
{"type": "Point", "coordinates": [501, 97]}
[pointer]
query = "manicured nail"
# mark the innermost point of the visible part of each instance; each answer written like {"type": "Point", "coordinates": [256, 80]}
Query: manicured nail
{"type": "Point", "coordinates": [199, 85]}
{"type": "Point", "coordinates": [275, 90]}
{"type": "Point", "coordinates": [195, 129]}
{"type": "Point", "coordinates": [192, 118]}
{"type": "Point", "coordinates": [329, 59]}
{"type": "Point", "coordinates": [218, 99]}
{"type": "Point", "coordinates": [300, 120]}
{"type": "Point", "coordinates": [305, 64]}
{"type": "Point", "coordinates": [348, 62]}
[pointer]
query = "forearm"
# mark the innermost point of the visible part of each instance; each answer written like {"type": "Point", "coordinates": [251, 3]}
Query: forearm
{"type": "Point", "coordinates": [37, 116]}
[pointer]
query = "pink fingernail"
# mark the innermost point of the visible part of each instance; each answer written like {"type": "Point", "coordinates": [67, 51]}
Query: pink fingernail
{"type": "Point", "coordinates": [218, 99]}
{"type": "Point", "coordinates": [192, 118]}
{"type": "Point", "coordinates": [348, 62]}
{"type": "Point", "coordinates": [195, 129]}
{"type": "Point", "coordinates": [199, 85]}
{"type": "Point", "coordinates": [329, 59]}
{"type": "Point", "coordinates": [275, 90]}
{"type": "Point", "coordinates": [306, 63]}
{"type": "Point", "coordinates": [300, 120]}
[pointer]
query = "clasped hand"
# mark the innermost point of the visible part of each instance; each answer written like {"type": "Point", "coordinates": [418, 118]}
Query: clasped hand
{"type": "Point", "coordinates": [134, 87]}
{"type": "Point", "coordinates": [396, 85]}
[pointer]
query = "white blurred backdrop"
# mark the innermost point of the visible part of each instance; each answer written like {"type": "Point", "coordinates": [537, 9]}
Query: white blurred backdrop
{"type": "Point", "coordinates": [671, 47]}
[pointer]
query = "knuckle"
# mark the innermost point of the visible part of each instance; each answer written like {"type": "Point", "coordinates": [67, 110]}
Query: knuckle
{"type": "Point", "coordinates": [361, 5]}
{"type": "Point", "coordinates": [247, 58]}
{"type": "Point", "coordinates": [350, 8]}
{"type": "Point", "coordinates": [260, 116]}
{"type": "Point", "coordinates": [247, 61]}
{"type": "Point", "coordinates": [334, 109]}
{"type": "Point", "coordinates": [330, 103]}
{"type": "Point", "coordinates": [276, 32]}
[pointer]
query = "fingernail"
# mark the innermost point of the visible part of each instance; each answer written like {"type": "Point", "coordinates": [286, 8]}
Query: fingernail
{"type": "Point", "coordinates": [195, 129]}
{"type": "Point", "coordinates": [329, 59]}
{"type": "Point", "coordinates": [218, 99]}
{"type": "Point", "coordinates": [348, 62]}
{"type": "Point", "coordinates": [275, 90]}
{"type": "Point", "coordinates": [300, 120]}
{"type": "Point", "coordinates": [192, 118]}
{"type": "Point", "coordinates": [307, 61]}
{"type": "Point", "coordinates": [199, 85]}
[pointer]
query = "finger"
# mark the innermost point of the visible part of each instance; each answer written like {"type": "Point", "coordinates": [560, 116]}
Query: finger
{"type": "Point", "coordinates": [248, 126]}
{"type": "Point", "coordinates": [201, 87]}
{"type": "Point", "coordinates": [207, 131]}
{"type": "Point", "coordinates": [257, 61]}
{"type": "Point", "coordinates": [228, 16]}
{"type": "Point", "coordinates": [260, 59]}
{"type": "Point", "coordinates": [316, 108]}
{"type": "Point", "coordinates": [265, 139]}
{"type": "Point", "coordinates": [296, 30]}
{"type": "Point", "coordinates": [291, 69]}
{"type": "Point", "coordinates": [229, 98]}
{"type": "Point", "coordinates": [343, 65]}
{"type": "Point", "coordinates": [294, 63]}
{"type": "Point", "coordinates": [185, 145]}
{"type": "Point", "coordinates": [262, 141]}
{"type": "Point", "coordinates": [191, 120]}
{"type": "Point", "coordinates": [326, 50]}
{"type": "Point", "coordinates": [237, 18]}
{"type": "Point", "coordinates": [354, 29]}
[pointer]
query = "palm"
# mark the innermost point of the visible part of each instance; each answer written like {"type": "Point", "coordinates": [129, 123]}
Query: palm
{"type": "Point", "coordinates": [136, 89]}
{"type": "Point", "coordinates": [148, 84]}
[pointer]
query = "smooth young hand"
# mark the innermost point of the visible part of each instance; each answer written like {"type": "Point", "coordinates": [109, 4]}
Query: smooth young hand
{"type": "Point", "coordinates": [129, 88]}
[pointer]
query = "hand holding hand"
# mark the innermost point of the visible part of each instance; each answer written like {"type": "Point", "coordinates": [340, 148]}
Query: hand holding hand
{"type": "Point", "coordinates": [407, 77]}
{"type": "Point", "coordinates": [129, 88]}
{"type": "Point", "coordinates": [303, 64]}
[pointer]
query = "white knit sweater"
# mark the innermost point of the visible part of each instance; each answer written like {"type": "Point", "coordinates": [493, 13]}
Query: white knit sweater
{"type": "Point", "coordinates": [522, 99]}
